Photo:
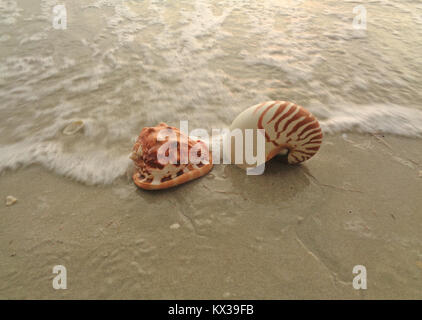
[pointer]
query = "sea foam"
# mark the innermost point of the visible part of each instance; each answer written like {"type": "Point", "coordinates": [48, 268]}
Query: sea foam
{"type": "Point", "coordinates": [104, 165]}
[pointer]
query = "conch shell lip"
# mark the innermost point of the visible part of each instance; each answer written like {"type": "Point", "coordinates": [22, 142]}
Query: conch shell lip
{"type": "Point", "coordinates": [185, 177]}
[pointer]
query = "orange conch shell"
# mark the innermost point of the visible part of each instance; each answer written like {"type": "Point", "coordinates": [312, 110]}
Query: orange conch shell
{"type": "Point", "coordinates": [151, 174]}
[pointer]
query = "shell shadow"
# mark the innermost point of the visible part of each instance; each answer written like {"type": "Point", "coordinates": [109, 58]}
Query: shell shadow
{"type": "Point", "coordinates": [279, 183]}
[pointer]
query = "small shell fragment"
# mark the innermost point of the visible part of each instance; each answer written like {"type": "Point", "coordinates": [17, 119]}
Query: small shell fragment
{"type": "Point", "coordinates": [73, 127]}
{"type": "Point", "coordinates": [10, 200]}
{"type": "Point", "coordinates": [175, 226]}
{"type": "Point", "coordinates": [420, 173]}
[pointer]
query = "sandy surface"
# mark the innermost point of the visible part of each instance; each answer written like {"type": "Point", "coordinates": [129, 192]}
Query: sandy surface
{"type": "Point", "coordinates": [295, 232]}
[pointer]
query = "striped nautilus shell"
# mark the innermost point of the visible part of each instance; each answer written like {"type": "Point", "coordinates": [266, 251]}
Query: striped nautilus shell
{"type": "Point", "coordinates": [289, 129]}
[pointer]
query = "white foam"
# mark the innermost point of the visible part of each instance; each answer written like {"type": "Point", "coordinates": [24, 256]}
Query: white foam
{"type": "Point", "coordinates": [388, 119]}
{"type": "Point", "coordinates": [89, 167]}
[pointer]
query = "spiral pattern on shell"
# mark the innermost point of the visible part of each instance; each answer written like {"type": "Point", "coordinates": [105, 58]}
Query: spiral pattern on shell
{"type": "Point", "coordinates": [287, 126]}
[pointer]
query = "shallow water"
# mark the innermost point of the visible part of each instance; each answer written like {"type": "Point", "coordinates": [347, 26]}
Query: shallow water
{"type": "Point", "coordinates": [123, 65]}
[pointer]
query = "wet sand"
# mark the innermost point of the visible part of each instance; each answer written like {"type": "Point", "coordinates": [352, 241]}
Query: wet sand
{"type": "Point", "coordinates": [296, 232]}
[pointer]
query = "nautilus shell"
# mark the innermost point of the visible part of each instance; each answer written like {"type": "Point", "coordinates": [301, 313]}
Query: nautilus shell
{"type": "Point", "coordinates": [151, 174]}
{"type": "Point", "coordinates": [289, 129]}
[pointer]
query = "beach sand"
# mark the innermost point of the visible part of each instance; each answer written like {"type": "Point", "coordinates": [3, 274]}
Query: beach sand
{"type": "Point", "coordinates": [295, 232]}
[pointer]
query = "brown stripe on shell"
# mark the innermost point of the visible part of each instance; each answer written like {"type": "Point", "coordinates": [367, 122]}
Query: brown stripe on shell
{"type": "Point", "coordinates": [298, 125]}
{"type": "Point", "coordinates": [312, 148]}
{"type": "Point", "coordinates": [309, 130]}
{"type": "Point", "coordinates": [261, 117]}
{"type": "Point", "coordinates": [279, 111]}
{"type": "Point", "coordinates": [168, 178]}
{"type": "Point", "coordinates": [305, 130]}
{"type": "Point", "coordinates": [298, 128]}
{"type": "Point", "coordinates": [284, 116]}
{"type": "Point", "coordinates": [295, 117]}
